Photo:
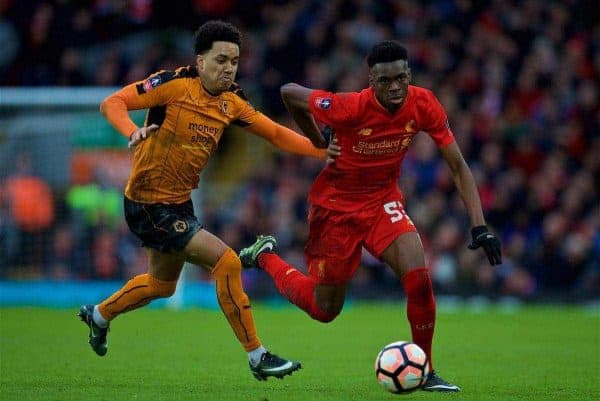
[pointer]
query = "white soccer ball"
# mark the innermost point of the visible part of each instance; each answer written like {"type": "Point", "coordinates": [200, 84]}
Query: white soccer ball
{"type": "Point", "coordinates": [401, 367]}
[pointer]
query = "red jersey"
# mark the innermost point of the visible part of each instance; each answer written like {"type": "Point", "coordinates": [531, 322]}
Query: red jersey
{"type": "Point", "coordinates": [373, 141]}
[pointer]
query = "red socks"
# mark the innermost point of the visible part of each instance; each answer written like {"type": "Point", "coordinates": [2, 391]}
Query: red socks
{"type": "Point", "coordinates": [420, 307]}
{"type": "Point", "coordinates": [299, 289]}
{"type": "Point", "coordinates": [295, 286]}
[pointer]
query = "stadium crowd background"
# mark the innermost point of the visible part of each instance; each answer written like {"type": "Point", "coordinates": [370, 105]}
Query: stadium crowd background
{"type": "Point", "coordinates": [519, 80]}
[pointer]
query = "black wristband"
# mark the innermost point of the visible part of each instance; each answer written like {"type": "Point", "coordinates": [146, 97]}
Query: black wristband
{"type": "Point", "coordinates": [477, 231]}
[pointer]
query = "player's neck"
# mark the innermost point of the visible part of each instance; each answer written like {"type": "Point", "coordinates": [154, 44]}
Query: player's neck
{"type": "Point", "coordinates": [209, 91]}
{"type": "Point", "coordinates": [392, 108]}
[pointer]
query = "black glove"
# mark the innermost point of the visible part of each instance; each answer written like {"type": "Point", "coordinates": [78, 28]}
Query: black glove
{"type": "Point", "coordinates": [327, 134]}
{"type": "Point", "coordinates": [488, 241]}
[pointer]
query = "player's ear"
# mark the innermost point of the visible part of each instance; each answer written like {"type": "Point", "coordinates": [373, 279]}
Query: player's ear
{"type": "Point", "coordinates": [200, 62]}
{"type": "Point", "coordinates": [409, 76]}
{"type": "Point", "coordinates": [371, 82]}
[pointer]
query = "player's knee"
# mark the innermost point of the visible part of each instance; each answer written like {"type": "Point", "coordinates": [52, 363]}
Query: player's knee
{"type": "Point", "coordinates": [326, 317]}
{"type": "Point", "coordinates": [228, 278]}
{"type": "Point", "coordinates": [229, 264]}
{"type": "Point", "coordinates": [326, 313]}
{"type": "Point", "coordinates": [167, 291]}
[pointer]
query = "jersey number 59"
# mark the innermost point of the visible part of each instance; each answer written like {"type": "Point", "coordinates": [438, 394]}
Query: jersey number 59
{"type": "Point", "coordinates": [395, 210]}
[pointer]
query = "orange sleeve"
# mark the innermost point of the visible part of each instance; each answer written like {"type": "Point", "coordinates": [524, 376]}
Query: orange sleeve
{"type": "Point", "coordinates": [284, 138]}
{"type": "Point", "coordinates": [115, 107]}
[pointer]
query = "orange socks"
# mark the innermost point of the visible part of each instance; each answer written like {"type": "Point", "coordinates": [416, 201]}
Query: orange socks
{"type": "Point", "coordinates": [233, 300]}
{"type": "Point", "coordinates": [137, 292]}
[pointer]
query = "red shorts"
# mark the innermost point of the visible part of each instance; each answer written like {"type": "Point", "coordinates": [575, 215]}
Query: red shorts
{"type": "Point", "coordinates": [335, 239]}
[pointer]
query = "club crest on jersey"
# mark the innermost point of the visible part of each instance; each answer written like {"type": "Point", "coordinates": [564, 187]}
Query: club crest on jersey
{"type": "Point", "coordinates": [364, 132]}
{"type": "Point", "coordinates": [410, 126]}
{"type": "Point", "coordinates": [151, 83]}
{"type": "Point", "coordinates": [320, 266]}
{"type": "Point", "coordinates": [405, 142]}
{"type": "Point", "coordinates": [323, 102]}
{"type": "Point", "coordinates": [180, 226]}
{"type": "Point", "coordinates": [224, 106]}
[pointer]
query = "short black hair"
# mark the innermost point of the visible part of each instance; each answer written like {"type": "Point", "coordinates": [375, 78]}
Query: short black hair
{"type": "Point", "coordinates": [215, 31]}
{"type": "Point", "coordinates": [385, 52]}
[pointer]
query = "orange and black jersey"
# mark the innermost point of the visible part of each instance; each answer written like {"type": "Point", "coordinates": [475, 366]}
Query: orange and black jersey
{"type": "Point", "coordinates": [167, 165]}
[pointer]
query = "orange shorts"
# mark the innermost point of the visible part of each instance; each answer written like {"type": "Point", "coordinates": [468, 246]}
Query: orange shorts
{"type": "Point", "coordinates": [335, 239]}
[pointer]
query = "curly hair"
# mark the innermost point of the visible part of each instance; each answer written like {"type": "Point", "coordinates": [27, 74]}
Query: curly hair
{"type": "Point", "coordinates": [214, 31]}
{"type": "Point", "coordinates": [385, 52]}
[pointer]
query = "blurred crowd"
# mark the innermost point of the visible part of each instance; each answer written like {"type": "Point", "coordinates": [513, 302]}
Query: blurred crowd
{"type": "Point", "coordinates": [519, 80]}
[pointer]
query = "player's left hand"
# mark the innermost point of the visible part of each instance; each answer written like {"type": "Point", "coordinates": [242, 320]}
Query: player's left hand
{"type": "Point", "coordinates": [483, 238]}
{"type": "Point", "coordinates": [141, 134]}
{"type": "Point", "coordinates": [333, 151]}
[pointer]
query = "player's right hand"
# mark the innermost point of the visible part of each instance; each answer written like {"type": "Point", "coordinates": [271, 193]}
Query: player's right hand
{"type": "Point", "coordinates": [140, 134]}
{"type": "Point", "coordinates": [333, 150]}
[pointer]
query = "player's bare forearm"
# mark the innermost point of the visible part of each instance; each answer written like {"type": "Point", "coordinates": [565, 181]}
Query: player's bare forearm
{"type": "Point", "coordinates": [307, 124]}
{"type": "Point", "coordinates": [465, 183]}
{"type": "Point", "coordinates": [468, 191]}
{"type": "Point", "coordinates": [463, 178]}
{"type": "Point", "coordinates": [295, 98]}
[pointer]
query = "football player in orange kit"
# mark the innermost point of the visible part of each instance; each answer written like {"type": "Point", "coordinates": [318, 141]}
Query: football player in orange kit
{"type": "Point", "coordinates": [188, 110]}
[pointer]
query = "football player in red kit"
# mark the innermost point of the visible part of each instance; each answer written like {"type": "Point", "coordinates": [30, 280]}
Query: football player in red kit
{"type": "Point", "coordinates": [355, 201]}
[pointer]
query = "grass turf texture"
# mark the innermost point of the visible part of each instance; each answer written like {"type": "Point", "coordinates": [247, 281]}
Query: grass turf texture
{"type": "Point", "coordinates": [533, 354]}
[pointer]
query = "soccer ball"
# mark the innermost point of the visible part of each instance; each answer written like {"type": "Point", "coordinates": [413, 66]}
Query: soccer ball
{"type": "Point", "coordinates": [401, 367]}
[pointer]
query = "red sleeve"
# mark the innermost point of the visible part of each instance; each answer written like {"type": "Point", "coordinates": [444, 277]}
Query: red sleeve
{"type": "Point", "coordinates": [436, 122]}
{"type": "Point", "coordinates": [329, 108]}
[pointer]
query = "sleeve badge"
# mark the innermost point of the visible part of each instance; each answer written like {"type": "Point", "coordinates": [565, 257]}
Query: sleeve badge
{"type": "Point", "coordinates": [323, 102]}
{"type": "Point", "coordinates": [151, 83]}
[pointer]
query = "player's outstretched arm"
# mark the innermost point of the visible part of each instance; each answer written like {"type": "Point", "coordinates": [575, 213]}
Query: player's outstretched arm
{"type": "Point", "coordinates": [295, 98]}
{"type": "Point", "coordinates": [465, 183]}
{"type": "Point", "coordinates": [284, 138]}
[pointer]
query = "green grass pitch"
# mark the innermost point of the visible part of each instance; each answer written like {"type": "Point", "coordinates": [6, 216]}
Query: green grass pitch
{"type": "Point", "coordinates": [535, 353]}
